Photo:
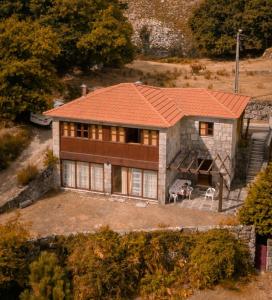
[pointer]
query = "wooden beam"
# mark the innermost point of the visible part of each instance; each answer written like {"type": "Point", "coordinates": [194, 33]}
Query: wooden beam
{"type": "Point", "coordinates": [220, 203]}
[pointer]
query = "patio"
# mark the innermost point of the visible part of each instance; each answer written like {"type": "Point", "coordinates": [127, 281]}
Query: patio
{"type": "Point", "coordinates": [231, 202]}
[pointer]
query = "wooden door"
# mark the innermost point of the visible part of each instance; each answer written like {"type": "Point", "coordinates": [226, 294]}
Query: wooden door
{"type": "Point", "coordinates": [261, 253]}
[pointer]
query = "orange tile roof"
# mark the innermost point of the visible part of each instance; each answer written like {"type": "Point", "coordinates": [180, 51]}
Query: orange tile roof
{"type": "Point", "coordinates": [137, 104]}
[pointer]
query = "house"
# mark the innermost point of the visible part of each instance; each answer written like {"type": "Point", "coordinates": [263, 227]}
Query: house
{"type": "Point", "coordinates": [132, 139]}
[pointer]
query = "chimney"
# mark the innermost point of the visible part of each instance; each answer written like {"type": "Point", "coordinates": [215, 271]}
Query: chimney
{"type": "Point", "coordinates": [84, 89]}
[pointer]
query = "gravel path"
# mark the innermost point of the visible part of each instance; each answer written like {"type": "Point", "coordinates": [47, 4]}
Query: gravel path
{"type": "Point", "coordinates": [32, 154]}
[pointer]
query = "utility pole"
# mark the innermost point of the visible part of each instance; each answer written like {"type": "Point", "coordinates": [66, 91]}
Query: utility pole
{"type": "Point", "coordinates": [236, 83]}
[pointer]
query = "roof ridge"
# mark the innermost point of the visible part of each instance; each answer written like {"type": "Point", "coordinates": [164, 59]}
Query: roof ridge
{"type": "Point", "coordinates": [146, 100]}
{"type": "Point", "coordinates": [221, 104]}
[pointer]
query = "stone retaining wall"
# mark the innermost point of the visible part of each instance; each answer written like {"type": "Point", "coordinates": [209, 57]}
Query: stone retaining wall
{"type": "Point", "coordinates": [259, 110]}
{"type": "Point", "coordinates": [33, 191]}
{"type": "Point", "coordinates": [244, 233]}
{"type": "Point", "coordinates": [269, 255]}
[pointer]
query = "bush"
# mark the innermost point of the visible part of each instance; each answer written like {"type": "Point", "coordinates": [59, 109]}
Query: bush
{"type": "Point", "coordinates": [223, 72]}
{"type": "Point", "coordinates": [49, 159]}
{"type": "Point", "coordinates": [257, 209]}
{"type": "Point", "coordinates": [14, 251]}
{"type": "Point", "coordinates": [27, 174]}
{"type": "Point", "coordinates": [217, 256]}
{"type": "Point", "coordinates": [11, 146]}
{"type": "Point", "coordinates": [196, 68]}
{"type": "Point", "coordinates": [47, 280]}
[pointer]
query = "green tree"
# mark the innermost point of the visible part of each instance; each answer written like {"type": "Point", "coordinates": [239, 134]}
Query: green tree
{"type": "Point", "coordinates": [47, 279]}
{"type": "Point", "coordinates": [257, 209]}
{"type": "Point", "coordinates": [214, 24]}
{"type": "Point", "coordinates": [89, 31]}
{"type": "Point", "coordinates": [14, 250]}
{"type": "Point", "coordinates": [27, 73]}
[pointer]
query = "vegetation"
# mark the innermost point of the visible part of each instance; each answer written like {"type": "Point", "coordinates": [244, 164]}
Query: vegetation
{"type": "Point", "coordinates": [257, 209]}
{"type": "Point", "coordinates": [13, 252]}
{"type": "Point", "coordinates": [106, 265]}
{"type": "Point", "coordinates": [47, 279]}
{"type": "Point", "coordinates": [27, 174]}
{"type": "Point", "coordinates": [11, 146]}
{"type": "Point", "coordinates": [214, 24]}
{"type": "Point", "coordinates": [27, 74]}
{"type": "Point", "coordinates": [39, 38]}
{"type": "Point", "coordinates": [50, 160]}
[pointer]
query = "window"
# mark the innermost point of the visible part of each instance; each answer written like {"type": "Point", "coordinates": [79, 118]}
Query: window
{"type": "Point", "coordinates": [68, 173]}
{"type": "Point", "coordinates": [119, 180]}
{"type": "Point", "coordinates": [118, 134]}
{"type": "Point", "coordinates": [82, 130]}
{"type": "Point", "coordinates": [150, 137]}
{"type": "Point", "coordinates": [205, 128]}
{"type": "Point", "coordinates": [150, 184]}
{"type": "Point", "coordinates": [68, 129]}
{"type": "Point", "coordinates": [97, 177]}
{"type": "Point", "coordinates": [83, 176]}
{"type": "Point", "coordinates": [133, 135]}
{"type": "Point", "coordinates": [96, 132]}
{"type": "Point", "coordinates": [134, 182]}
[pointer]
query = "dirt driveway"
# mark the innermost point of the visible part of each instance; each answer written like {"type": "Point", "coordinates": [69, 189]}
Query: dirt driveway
{"type": "Point", "coordinates": [32, 154]}
{"type": "Point", "coordinates": [67, 212]}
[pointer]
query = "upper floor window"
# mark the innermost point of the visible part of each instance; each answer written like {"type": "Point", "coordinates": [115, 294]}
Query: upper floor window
{"type": "Point", "coordinates": [68, 129]}
{"type": "Point", "coordinates": [133, 135]}
{"type": "Point", "coordinates": [96, 132]}
{"type": "Point", "coordinates": [150, 137]}
{"type": "Point", "coordinates": [118, 134]}
{"type": "Point", "coordinates": [82, 130]}
{"type": "Point", "coordinates": [206, 128]}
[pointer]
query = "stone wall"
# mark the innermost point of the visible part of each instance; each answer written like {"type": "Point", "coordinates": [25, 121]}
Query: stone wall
{"type": "Point", "coordinates": [243, 233]}
{"type": "Point", "coordinates": [33, 191]}
{"type": "Point", "coordinates": [259, 110]}
{"type": "Point", "coordinates": [162, 166]}
{"type": "Point", "coordinates": [269, 255]}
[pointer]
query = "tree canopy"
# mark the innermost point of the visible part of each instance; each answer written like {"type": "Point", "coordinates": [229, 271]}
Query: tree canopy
{"type": "Point", "coordinates": [257, 209]}
{"type": "Point", "coordinates": [214, 24]}
{"type": "Point", "coordinates": [42, 38]}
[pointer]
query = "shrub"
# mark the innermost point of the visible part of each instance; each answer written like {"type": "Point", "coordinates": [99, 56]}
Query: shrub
{"type": "Point", "coordinates": [14, 250]}
{"type": "Point", "coordinates": [47, 280]}
{"type": "Point", "coordinates": [11, 146]}
{"type": "Point", "coordinates": [100, 269]}
{"type": "Point", "coordinates": [50, 160]}
{"type": "Point", "coordinates": [257, 209]}
{"type": "Point", "coordinates": [27, 174]}
{"type": "Point", "coordinates": [217, 256]}
{"type": "Point", "coordinates": [210, 86]}
{"type": "Point", "coordinates": [207, 74]}
{"type": "Point", "coordinates": [223, 72]}
{"type": "Point", "coordinates": [196, 68]}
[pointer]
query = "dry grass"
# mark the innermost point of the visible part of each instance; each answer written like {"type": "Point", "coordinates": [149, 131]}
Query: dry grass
{"type": "Point", "coordinates": [253, 72]}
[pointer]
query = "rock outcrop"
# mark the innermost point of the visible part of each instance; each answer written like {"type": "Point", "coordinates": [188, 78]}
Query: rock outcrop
{"type": "Point", "coordinates": [160, 26]}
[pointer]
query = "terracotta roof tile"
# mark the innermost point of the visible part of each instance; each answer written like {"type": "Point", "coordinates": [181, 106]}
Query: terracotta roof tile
{"type": "Point", "coordinates": [142, 105]}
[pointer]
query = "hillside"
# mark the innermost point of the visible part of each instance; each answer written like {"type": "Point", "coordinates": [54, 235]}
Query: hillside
{"type": "Point", "coordinates": [160, 25]}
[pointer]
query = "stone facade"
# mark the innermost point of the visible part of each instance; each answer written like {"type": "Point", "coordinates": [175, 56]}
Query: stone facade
{"type": "Point", "coordinates": [162, 166]}
{"type": "Point", "coordinates": [56, 149]}
{"type": "Point", "coordinates": [269, 255]}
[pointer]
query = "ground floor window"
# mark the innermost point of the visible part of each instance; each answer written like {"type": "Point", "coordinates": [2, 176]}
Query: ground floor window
{"type": "Point", "coordinates": [134, 182]}
{"type": "Point", "coordinates": [83, 175]}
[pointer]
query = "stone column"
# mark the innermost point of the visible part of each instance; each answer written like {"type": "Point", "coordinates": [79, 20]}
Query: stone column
{"type": "Point", "coordinates": [107, 178]}
{"type": "Point", "coordinates": [56, 150]}
{"type": "Point", "coordinates": [269, 255]}
{"type": "Point", "coordinates": [162, 167]}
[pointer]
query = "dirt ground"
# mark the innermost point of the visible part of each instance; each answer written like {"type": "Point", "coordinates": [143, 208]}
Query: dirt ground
{"type": "Point", "coordinates": [259, 288]}
{"type": "Point", "coordinates": [67, 212]}
{"type": "Point", "coordinates": [255, 75]}
{"type": "Point", "coordinates": [34, 154]}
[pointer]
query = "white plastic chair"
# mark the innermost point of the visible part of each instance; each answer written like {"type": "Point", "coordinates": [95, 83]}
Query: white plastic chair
{"type": "Point", "coordinates": [173, 196]}
{"type": "Point", "coordinates": [210, 193]}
